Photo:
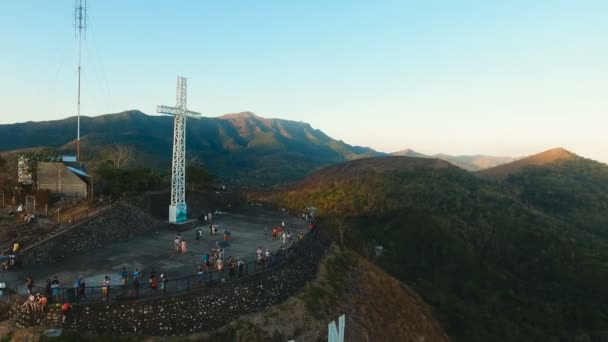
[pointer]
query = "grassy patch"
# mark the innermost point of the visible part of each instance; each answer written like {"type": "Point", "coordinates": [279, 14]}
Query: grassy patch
{"type": "Point", "coordinates": [321, 299]}
{"type": "Point", "coordinates": [7, 337]}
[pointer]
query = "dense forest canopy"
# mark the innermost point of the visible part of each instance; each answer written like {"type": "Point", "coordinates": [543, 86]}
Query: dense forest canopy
{"type": "Point", "coordinates": [521, 259]}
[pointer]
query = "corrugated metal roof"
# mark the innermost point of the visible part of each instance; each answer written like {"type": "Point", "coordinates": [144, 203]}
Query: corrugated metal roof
{"type": "Point", "coordinates": [78, 172]}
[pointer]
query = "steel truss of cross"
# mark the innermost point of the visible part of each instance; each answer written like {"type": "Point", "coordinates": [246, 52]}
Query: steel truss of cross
{"type": "Point", "coordinates": [177, 207]}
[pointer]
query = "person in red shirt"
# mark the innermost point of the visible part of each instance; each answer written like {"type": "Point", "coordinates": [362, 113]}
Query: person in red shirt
{"type": "Point", "coordinates": [65, 309]}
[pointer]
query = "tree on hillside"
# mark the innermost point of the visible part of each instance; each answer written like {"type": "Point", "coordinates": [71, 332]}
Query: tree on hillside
{"type": "Point", "coordinates": [339, 205]}
{"type": "Point", "coordinates": [118, 155]}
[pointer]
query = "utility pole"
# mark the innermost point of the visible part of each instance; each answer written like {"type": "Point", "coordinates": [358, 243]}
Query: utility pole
{"type": "Point", "coordinates": [80, 26]}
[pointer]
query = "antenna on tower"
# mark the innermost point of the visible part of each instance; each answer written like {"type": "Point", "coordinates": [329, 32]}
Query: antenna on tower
{"type": "Point", "coordinates": [80, 27]}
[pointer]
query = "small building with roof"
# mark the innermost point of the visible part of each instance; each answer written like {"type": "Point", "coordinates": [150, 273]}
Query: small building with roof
{"type": "Point", "coordinates": [63, 178]}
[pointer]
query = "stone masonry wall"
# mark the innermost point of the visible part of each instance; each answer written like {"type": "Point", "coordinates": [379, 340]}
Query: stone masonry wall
{"type": "Point", "coordinates": [197, 311]}
{"type": "Point", "coordinates": [120, 223]}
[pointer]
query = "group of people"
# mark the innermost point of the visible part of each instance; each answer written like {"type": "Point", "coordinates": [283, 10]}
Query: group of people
{"type": "Point", "coordinates": [153, 281]}
{"type": "Point", "coordinates": [180, 244]}
{"type": "Point", "coordinates": [216, 260]}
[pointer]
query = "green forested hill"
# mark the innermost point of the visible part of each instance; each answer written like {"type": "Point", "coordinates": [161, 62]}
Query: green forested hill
{"type": "Point", "coordinates": [239, 147]}
{"type": "Point", "coordinates": [524, 259]}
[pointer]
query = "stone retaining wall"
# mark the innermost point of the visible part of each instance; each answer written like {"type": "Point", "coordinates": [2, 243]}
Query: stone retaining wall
{"type": "Point", "coordinates": [120, 223]}
{"type": "Point", "coordinates": [197, 311]}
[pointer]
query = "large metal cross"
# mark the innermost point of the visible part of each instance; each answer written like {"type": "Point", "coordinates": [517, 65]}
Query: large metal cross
{"type": "Point", "coordinates": [178, 208]}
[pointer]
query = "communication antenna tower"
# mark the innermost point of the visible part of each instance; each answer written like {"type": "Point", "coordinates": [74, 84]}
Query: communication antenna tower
{"type": "Point", "coordinates": [80, 28]}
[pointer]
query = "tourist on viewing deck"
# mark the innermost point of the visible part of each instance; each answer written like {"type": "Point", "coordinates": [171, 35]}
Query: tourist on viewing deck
{"type": "Point", "coordinates": [301, 236]}
{"type": "Point", "coordinates": [206, 262]}
{"type": "Point", "coordinates": [163, 283]}
{"type": "Point", "coordinates": [29, 282]}
{"type": "Point", "coordinates": [55, 287]}
{"type": "Point", "coordinates": [65, 310]}
{"type": "Point", "coordinates": [123, 276]}
{"type": "Point", "coordinates": [47, 289]}
{"type": "Point", "coordinates": [219, 264]}
{"type": "Point", "coordinates": [231, 266]}
{"type": "Point", "coordinates": [136, 286]}
{"type": "Point", "coordinates": [240, 265]}
{"type": "Point", "coordinates": [15, 247]}
{"type": "Point", "coordinates": [284, 236]}
{"type": "Point", "coordinates": [184, 247]}
{"type": "Point", "coordinates": [201, 276]}
{"type": "Point", "coordinates": [81, 289]}
{"type": "Point", "coordinates": [177, 244]}
{"type": "Point", "coordinates": [199, 234]}
{"type": "Point", "coordinates": [105, 290]}
{"type": "Point", "coordinates": [136, 274]}
{"type": "Point", "coordinates": [153, 282]}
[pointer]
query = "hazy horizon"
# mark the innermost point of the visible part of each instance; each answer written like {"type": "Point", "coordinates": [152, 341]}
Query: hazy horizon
{"type": "Point", "coordinates": [503, 79]}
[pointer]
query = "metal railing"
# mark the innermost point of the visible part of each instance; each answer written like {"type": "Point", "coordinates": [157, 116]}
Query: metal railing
{"type": "Point", "coordinates": [132, 291]}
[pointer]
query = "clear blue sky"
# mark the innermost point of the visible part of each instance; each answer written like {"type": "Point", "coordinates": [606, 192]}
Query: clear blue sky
{"type": "Point", "coordinates": [458, 77]}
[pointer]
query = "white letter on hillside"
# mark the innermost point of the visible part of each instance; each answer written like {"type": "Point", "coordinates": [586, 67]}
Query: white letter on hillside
{"type": "Point", "coordinates": [336, 335]}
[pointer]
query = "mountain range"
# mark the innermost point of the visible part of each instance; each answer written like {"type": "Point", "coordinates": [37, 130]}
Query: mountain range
{"type": "Point", "coordinates": [240, 147]}
{"type": "Point", "coordinates": [471, 163]}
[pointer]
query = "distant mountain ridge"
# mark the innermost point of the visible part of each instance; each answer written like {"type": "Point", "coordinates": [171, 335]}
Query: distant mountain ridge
{"type": "Point", "coordinates": [543, 158]}
{"type": "Point", "coordinates": [470, 163]}
{"type": "Point", "coordinates": [233, 146]}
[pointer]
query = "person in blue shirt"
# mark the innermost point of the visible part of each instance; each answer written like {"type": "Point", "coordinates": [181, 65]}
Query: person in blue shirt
{"type": "Point", "coordinates": [123, 276]}
{"type": "Point", "coordinates": [201, 276]}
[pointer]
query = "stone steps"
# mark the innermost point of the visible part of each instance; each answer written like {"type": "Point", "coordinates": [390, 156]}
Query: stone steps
{"type": "Point", "coordinates": [182, 227]}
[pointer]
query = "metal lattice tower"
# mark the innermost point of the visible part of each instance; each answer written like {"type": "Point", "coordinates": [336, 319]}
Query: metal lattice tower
{"type": "Point", "coordinates": [178, 208]}
{"type": "Point", "coordinates": [80, 27]}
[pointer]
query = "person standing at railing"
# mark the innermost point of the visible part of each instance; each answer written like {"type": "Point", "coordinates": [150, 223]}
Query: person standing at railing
{"type": "Point", "coordinates": [82, 289]}
{"type": "Point", "coordinates": [136, 286]}
{"type": "Point", "coordinates": [105, 290]}
{"type": "Point", "coordinates": [55, 287]}
{"type": "Point", "coordinates": [153, 282]}
{"type": "Point", "coordinates": [123, 277]}
{"type": "Point", "coordinates": [240, 265]}
{"type": "Point", "coordinates": [29, 282]}
{"type": "Point", "coordinates": [201, 276]}
{"type": "Point", "coordinates": [232, 267]}
{"type": "Point", "coordinates": [163, 283]}
{"type": "Point", "coordinates": [47, 289]}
